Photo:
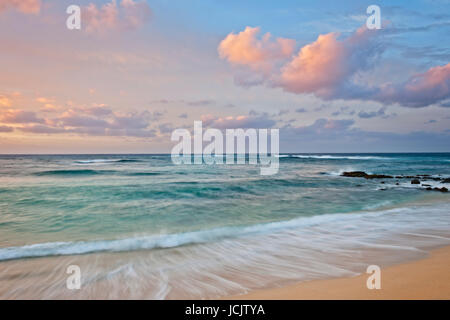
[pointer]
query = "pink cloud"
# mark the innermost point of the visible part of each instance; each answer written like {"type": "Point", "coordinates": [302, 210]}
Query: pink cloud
{"type": "Point", "coordinates": [5, 101]}
{"type": "Point", "coordinates": [320, 67]}
{"type": "Point", "coordinates": [19, 116]}
{"type": "Point", "coordinates": [246, 49]}
{"type": "Point", "coordinates": [328, 67]}
{"type": "Point", "coordinates": [9, 99]}
{"type": "Point", "coordinates": [419, 90]}
{"type": "Point", "coordinates": [128, 15]}
{"type": "Point", "coordinates": [24, 6]}
{"type": "Point", "coordinates": [323, 66]}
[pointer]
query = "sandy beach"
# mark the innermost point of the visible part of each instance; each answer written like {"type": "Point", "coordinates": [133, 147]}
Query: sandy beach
{"type": "Point", "coordinates": [427, 278]}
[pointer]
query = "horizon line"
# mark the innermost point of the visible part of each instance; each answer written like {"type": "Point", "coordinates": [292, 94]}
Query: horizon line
{"type": "Point", "coordinates": [160, 154]}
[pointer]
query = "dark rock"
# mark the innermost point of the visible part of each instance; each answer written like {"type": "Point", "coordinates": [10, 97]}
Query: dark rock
{"type": "Point", "coordinates": [446, 180]}
{"type": "Point", "coordinates": [425, 185]}
{"type": "Point", "coordinates": [382, 182]}
{"type": "Point", "coordinates": [443, 189]}
{"type": "Point", "coordinates": [378, 176]}
{"type": "Point", "coordinates": [397, 184]}
{"type": "Point", "coordinates": [355, 174]}
{"type": "Point", "coordinates": [415, 181]}
{"type": "Point", "coordinates": [429, 188]}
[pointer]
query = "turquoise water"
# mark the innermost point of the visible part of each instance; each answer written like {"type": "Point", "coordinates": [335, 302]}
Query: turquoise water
{"type": "Point", "coordinates": [85, 205]}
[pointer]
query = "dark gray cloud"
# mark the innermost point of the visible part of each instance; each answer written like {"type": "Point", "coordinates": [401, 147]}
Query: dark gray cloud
{"type": "Point", "coordinates": [373, 114]}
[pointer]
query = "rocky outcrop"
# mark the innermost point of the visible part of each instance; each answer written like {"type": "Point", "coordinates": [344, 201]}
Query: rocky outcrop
{"type": "Point", "coordinates": [362, 174]}
{"type": "Point", "coordinates": [416, 180]}
{"type": "Point", "coordinates": [443, 189]}
{"type": "Point", "coordinates": [355, 174]}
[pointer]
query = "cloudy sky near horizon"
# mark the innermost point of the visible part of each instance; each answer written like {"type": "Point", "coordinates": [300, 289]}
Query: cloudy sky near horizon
{"type": "Point", "coordinates": [139, 69]}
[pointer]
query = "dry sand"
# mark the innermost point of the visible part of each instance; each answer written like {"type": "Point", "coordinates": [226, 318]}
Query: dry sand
{"type": "Point", "coordinates": [428, 278]}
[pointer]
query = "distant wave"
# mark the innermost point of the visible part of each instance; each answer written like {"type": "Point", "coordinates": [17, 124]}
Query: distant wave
{"type": "Point", "coordinates": [331, 157]}
{"type": "Point", "coordinates": [143, 173]}
{"type": "Point", "coordinates": [85, 172]}
{"type": "Point", "coordinates": [171, 240]}
{"type": "Point", "coordinates": [106, 161]}
{"type": "Point", "coordinates": [89, 172]}
{"type": "Point", "coordinates": [337, 173]}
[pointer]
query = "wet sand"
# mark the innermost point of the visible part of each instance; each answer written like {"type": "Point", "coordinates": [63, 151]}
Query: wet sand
{"type": "Point", "coordinates": [428, 278]}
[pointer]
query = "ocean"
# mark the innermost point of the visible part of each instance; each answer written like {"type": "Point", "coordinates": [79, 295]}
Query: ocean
{"type": "Point", "coordinates": [139, 226]}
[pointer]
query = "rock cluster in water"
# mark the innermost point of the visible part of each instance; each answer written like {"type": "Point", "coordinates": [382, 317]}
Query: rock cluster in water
{"type": "Point", "coordinates": [414, 179]}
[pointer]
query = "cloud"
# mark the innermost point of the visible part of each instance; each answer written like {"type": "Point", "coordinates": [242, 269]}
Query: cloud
{"type": "Point", "coordinates": [200, 103]}
{"type": "Point", "coordinates": [97, 120]}
{"type": "Point", "coordinates": [128, 15]}
{"type": "Point", "coordinates": [252, 120]}
{"type": "Point", "coordinates": [48, 105]}
{"type": "Point", "coordinates": [300, 110]}
{"type": "Point", "coordinates": [343, 111]}
{"type": "Point", "coordinates": [5, 101]}
{"type": "Point", "coordinates": [372, 114]}
{"type": "Point", "coordinates": [282, 112]}
{"type": "Point", "coordinates": [326, 135]}
{"type": "Point", "coordinates": [41, 129]}
{"type": "Point", "coordinates": [23, 6]}
{"type": "Point", "coordinates": [131, 121]}
{"type": "Point", "coordinates": [19, 116]}
{"type": "Point", "coordinates": [81, 121]}
{"type": "Point", "coordinates": [135, 13]}
{"type": "Point", "coordinates": [165, 128]}
{"type": "Point", "coordinates": [324, 66]}
{"type": "Point", "coordinates": [321, 67]}
{"type": "Point", "coordinates": [98, 110]}
{"type": "Point", "coordinates": [420, 90]}
{"type": "Point", "coordinates": [330, 68]}
{"type": "Point", "coordinates": [6, 129]}
{"type": "Point", "coordinates": [246, 49]}
{"type": "Point", "coordinates": [183, 116]}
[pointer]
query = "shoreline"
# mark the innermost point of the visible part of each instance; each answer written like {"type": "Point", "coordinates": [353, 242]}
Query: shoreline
{"type": "Point", "coordinates": [427, 278]}
{"type": "Point", "coordinates": [396, 240]}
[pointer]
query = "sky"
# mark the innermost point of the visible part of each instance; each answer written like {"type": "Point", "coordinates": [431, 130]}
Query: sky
{"type": "Point", "coordinates": [137, 70]}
